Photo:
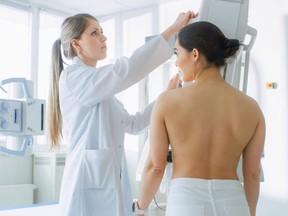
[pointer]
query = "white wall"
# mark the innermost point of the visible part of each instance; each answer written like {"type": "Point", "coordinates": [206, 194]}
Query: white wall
{"type": "Point", "coordinates": [269, 64]}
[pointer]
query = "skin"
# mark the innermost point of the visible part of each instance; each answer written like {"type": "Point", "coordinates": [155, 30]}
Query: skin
{"type": "Point", "coordinates": [208, 125]}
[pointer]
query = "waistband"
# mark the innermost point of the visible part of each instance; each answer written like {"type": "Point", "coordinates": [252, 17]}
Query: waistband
{"type": "Point", "coordinates": [210, 184]}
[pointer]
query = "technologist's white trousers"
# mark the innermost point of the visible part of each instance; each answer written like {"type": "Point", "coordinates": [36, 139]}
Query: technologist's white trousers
{"type": "Point", "coordinates": [199, 197]}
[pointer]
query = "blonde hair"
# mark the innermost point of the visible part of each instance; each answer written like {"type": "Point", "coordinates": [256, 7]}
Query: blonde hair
{"type": "Point", "coordinates": [72, 28]}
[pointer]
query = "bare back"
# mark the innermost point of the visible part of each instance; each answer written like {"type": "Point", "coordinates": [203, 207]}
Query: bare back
{"type": "Point", "coordinates": [209, 124]}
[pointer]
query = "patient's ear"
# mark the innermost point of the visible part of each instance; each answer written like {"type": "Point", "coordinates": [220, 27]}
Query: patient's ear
{"type": "Point", "coordinates": [195, 54]}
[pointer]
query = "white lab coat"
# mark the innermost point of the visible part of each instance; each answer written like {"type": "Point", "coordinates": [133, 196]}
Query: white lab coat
{"type": "Point", "coordinates": [95, 180]}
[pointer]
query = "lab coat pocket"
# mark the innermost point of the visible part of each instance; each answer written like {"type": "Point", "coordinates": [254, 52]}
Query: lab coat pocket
{"type": "Point", "coordinates": [237, 211]}
{"type": "Point", "coordinates": [184, 210]}
{"type": "Point", "coordinates": [99, 169]}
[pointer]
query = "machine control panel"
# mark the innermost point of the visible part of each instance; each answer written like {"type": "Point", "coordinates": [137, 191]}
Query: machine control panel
{"type": "Point", "coordinates": [10, 116]}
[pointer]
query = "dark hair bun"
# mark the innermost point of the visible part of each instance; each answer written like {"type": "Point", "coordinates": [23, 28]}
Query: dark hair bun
{"type": "Point", "coordinates": [231, 46]}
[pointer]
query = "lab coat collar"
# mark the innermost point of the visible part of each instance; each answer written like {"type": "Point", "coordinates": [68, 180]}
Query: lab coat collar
{"type": "Point", "coordinates": [77, 60]}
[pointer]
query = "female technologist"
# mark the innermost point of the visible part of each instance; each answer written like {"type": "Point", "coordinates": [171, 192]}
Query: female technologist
{"type": "Point", "coordinates": [93, 122]}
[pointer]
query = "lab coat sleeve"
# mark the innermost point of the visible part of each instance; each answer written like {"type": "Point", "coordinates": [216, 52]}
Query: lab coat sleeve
{"type": "Point", "coordinates": [92, 85]}
{"type": "Point", "coordinates": [135, 124]}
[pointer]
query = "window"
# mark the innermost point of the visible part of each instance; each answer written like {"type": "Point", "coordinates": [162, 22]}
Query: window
{"type": "Point", "coordinates": [14, 53]}
{"type": "Point", "coordinates": [14, 48]}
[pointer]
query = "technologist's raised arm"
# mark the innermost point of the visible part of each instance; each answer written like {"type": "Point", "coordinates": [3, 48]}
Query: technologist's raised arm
{"type": "Point", "coordinates": [181, 21]}
{"type": "Point", "coordinates": [251, 164]}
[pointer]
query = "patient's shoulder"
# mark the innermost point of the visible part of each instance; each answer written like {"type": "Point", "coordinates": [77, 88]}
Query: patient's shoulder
{"type": "Point", "coordinates": [168, 100]}
{"type": "Point", "coordinates": [170, 96]}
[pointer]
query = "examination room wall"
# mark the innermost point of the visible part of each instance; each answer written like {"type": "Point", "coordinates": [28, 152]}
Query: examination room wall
{"type": "Point", "coordinates": [269, 64]}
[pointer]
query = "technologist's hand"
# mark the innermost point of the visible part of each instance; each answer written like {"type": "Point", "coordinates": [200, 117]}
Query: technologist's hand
{"type": "Point", "coordinates": [181, 21]}
{"type": "Point", "coordinates": [175, 82]}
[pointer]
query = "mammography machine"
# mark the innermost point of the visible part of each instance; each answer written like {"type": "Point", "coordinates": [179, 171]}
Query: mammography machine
{"type": "Point", "coordinates": [231, 16]}
{"type": "Point", "coordinates": [21, 118]}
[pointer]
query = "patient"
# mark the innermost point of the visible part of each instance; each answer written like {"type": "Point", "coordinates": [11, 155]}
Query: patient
{"type": "Point", "coordinates": [209, 125]}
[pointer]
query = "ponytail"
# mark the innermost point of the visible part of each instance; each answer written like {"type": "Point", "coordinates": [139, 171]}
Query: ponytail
{"type": "Point", "coordinates": [55, 118]}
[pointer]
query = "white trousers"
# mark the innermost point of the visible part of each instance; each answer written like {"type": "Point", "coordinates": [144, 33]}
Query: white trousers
{"type": "Point", "coordinates": [200, 197]}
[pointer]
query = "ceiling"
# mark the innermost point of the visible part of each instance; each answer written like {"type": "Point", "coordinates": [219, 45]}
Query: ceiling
{"type": "Point", "coordinates": [94, 7]}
